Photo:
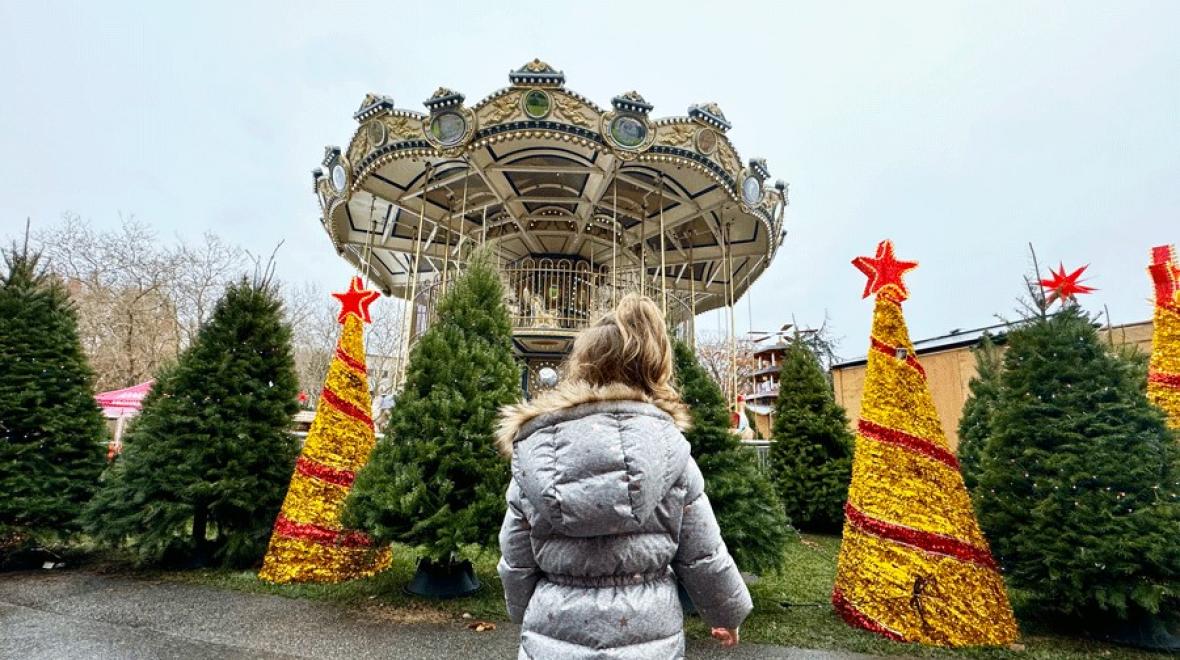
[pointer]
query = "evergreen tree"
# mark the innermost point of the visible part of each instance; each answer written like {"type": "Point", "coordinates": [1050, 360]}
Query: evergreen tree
{"type": "Point", "coordinates": [436, 480]}
{"type": "Point", "coordinates": [975, 424]}
{"type": "Point", "coordinates": [1078, 488]}
{"type": "Point", "coordinates": [211, 453]}
{"type": "Point", "coordinates": [51, 430]}
{"type": "Point", "coordinates": [811, 458]}
{"type": "Point", "coordinates": [752, 523]}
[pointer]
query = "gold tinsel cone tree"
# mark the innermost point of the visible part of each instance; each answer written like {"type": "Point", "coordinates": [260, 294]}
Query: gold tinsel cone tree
{"type": "Point", "coordinates": [913, 564]}
{"type": "Point", "coordinates": [308, 543]}
{"type": "Point", "coordinates": [1163, 379]}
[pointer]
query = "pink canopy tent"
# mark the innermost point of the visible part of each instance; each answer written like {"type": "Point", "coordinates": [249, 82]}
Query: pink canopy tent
{"type": "Point", "coordinates": [126, 402]}
{"type": "Point", "coordinates": [119, 405]}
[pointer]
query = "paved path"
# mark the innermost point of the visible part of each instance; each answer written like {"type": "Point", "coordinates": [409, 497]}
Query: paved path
{"type": "Point", "coordinates": [75, 614]}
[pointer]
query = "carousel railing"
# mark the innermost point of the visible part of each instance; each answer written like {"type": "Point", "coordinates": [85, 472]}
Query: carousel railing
{"type": "Point", "coordinates": [559, 294]}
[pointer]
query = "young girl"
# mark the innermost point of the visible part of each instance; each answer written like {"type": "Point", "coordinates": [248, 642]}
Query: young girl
{"type": "Point", "coordinates": [606, 508]}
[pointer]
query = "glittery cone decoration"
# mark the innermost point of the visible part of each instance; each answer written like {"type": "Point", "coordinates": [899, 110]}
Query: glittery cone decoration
{"type": "Point", "coordinates": [308, 543]}
{"type": "Point", "coordinates": [1163, 379]}
{"type": "Point", "coordinates": [913, 564]}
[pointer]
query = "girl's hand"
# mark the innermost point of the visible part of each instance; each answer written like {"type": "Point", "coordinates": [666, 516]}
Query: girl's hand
{"type": "Point", "coordinates": [727, 636]}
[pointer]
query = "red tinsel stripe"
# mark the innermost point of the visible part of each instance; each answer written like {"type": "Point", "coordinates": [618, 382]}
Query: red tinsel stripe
{"type": "Point", "coordinates": [859, 619]}
{"type": "Point", "coordinates": [350, 362]}
{"type": "Point", "coordinates": [927, 541]}
{"type": "Point", "coordinates": [891, 351]}
{"type": "Point", "coordinates": [1164, 275]}
{"type": "Point", "coordinates": [1165, 379]}
{"type": "Point", "coordinates": [322, 535]}
{"type": "Point", "coordinates": [912, 442]}
{"type": "Point", "coordinates": [310, 468]}
{"type": "Point", "coordinates": [345, 407]}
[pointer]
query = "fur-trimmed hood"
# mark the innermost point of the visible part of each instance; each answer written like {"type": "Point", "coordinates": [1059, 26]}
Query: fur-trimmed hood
{"type": "Point", "coordinates": [516, 417]}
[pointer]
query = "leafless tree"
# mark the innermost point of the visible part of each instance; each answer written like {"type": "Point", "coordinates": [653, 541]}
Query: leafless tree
{"type": "Point", "coordinates": [314, 328]}
{"type": "Point", "coordinates": [140, 301]}
{"type": "Point", "coordinates": [203, 271]}
{"type": "Point", "coordinates": [719, 358]}
{"type": "Point", "coordinates": [121, 282]}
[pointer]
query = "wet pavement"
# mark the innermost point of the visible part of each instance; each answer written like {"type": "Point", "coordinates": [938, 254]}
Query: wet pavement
{"type": "Point", "coordinates": [77, 614]}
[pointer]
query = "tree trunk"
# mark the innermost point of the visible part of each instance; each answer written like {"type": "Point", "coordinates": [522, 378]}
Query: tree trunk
{"type": "Point", "coordinates": [200, 529]}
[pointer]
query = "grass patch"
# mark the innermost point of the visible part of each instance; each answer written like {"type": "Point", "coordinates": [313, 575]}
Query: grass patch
{"type": "Point", "coordinates": [807, 619]}
{"type": "Point", "coordinates": [790, 608]}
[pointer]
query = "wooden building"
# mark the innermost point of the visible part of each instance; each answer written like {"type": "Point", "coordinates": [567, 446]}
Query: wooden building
{"type": "Point", "coordinates": [950, 366]}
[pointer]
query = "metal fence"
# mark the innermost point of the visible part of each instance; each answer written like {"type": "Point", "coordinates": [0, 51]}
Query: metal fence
{"type": "Point", "coordinates": [559, 294]}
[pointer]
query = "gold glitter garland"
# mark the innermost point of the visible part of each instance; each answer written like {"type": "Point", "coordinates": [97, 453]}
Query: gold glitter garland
{"type": "Point", "coordinates": [1164, 387]}
{"type": "Point", "coordinates": [954, 603]}
{"type": "Point", "coordinates": [913, 562]}
{"type": "Point", "coordinates": [309, 544]}
{"type": "Point", "coordinates": [945, 505]}
{"type": "Point", "coordinates": [297, 560]}
{"type": "Point", "coordinates": [318, 502]}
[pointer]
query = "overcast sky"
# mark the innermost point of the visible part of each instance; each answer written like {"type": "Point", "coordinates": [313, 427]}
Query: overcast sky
{"type": "Point", "coordinates": [961, 131]}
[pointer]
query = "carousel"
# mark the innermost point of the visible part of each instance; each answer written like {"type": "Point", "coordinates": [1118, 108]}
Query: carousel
{"type": "Point", "coordinates": [579, 204]}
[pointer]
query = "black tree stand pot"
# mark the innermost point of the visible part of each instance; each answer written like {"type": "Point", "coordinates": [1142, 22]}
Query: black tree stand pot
{"type": "Point", "coordinates": [686, 603]}
{"type": "Point", "coordinates": [445, 579]}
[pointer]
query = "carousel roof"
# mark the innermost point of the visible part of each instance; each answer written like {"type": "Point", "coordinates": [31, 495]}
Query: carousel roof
{"type": "Point", "coordinates": [536, 170]}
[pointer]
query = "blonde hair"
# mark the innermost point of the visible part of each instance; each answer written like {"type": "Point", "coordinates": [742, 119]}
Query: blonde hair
{"type": "Point", "coordinates": [628, 345]}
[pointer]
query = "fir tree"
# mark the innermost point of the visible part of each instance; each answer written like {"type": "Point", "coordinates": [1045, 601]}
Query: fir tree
{"type": "Point", "coordinates": [811, 458]}
{"type": "Point", "coordinates": [752, 523]}
{"type": "Point", "coordinates": [51, 430]}
{"type": "Point", "coordinates": [975, 424]}
{"type": "Point", "coordinates": [1078, 489]}
{"type": "Point", "coordinates": [436, 480]}
{"type": "Point", "coordinates": [211, 453]}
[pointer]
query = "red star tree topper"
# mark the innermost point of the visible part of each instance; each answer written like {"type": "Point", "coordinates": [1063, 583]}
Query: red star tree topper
{"type": "Point", "coordinates": [1064, 287]}
{"type": "Point", "coordinates": [356, 301]}
{"type": "Point", "coordinates": [885, 272]}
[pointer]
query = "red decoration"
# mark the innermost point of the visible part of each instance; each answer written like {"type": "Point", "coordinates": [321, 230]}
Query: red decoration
{"type": "Point", "coordinates": [350, 362]}
{"type": "Point", "coordinates": [310, 468]}
{"type": "Point", "coordinates": [859, 619]}
{"type": "Point", "coordinates": [1064, 287]}
{"type": "Point", "coordinates": [894, 351]}
{"type": "Point", "coordinates": [1165, 274]}
{"type": "Point", "coordinates": [885, 272]}
{"type": "Point", "coordinates": [289, 528]}
{"type": "Point", "coordinates": [892, 437]}
{"type": "Point", "coordinates": [937, 544]}
{"type": "Point", "coordinates": [356, 301]}
{"type": "Point", "coordinates": [336, 401]}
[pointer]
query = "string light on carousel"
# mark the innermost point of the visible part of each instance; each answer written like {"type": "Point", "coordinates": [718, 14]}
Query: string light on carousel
{"type": "Point", "coordinates": [579, 204]}
{"type": "Point", "coordinates": [913, 565]}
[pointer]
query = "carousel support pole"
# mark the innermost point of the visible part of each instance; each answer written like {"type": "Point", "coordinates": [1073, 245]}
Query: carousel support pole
{"type": "Point", "coordinates": [663, 270]}
{"type": "Point", "coordinates": [643, 248]}
{"type": "Point", "coordinates": [367, 257]}
{"type": "Point", "coordinates": [399, 372]}
{"type": "Point", "coordinates": [726, 235]}
{"type": "Point", "coordinates": [447, 249]}
{"type": "Point", "coordinates": [614, 245]}
{"type": "Point", "coordinates": [692, 296]}
{"type": "Point", "coordinates": [462, 233]}
{"type": "Point", "coordinates": [414, 275]}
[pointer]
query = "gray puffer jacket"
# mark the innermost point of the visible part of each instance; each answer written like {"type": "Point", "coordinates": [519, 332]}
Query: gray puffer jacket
{"type": "Point", "coordinates": [606, 510]}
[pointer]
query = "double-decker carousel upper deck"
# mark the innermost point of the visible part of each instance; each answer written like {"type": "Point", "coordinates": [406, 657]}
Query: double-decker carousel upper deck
{"type": "Point", "coordinates": [578, 203]}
